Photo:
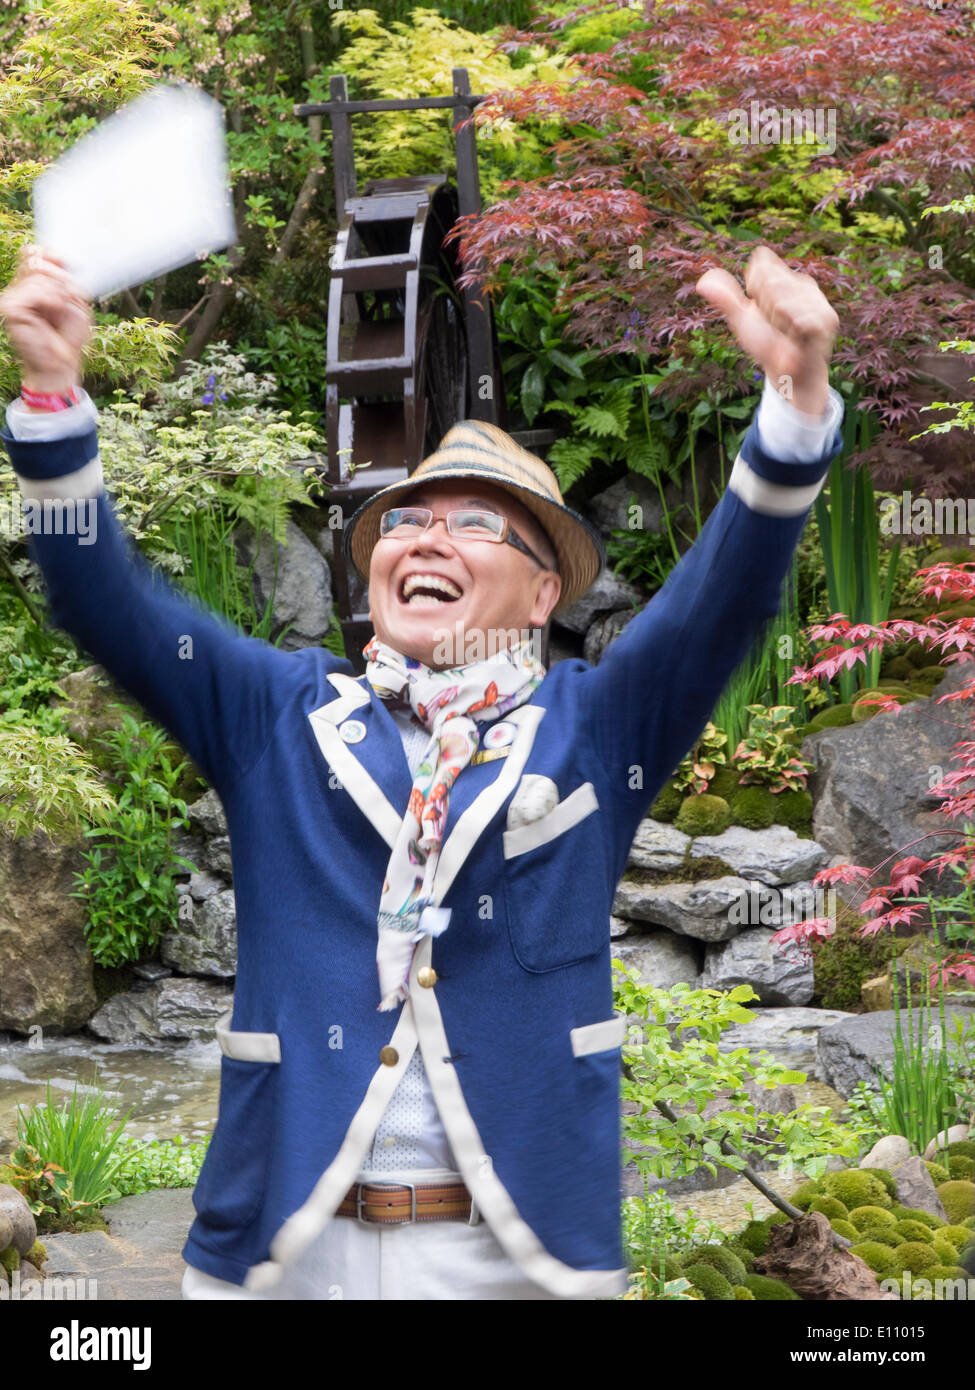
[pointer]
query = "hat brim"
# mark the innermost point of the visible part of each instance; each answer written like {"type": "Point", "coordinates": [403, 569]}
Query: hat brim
{"type": "Point", "coordinates": [578, 545]}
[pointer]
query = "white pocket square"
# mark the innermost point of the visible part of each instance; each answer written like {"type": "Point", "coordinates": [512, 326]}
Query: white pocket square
{"type": "Point", "coordinates": [535, 797]}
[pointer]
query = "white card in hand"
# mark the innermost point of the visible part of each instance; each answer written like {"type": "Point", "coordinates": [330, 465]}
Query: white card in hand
{"type": "Point", "coordinates": [144, 192]}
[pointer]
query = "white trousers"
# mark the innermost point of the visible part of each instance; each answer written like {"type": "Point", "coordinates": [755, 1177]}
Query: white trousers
{"type": "Point", "coordinates": [416, 1261]}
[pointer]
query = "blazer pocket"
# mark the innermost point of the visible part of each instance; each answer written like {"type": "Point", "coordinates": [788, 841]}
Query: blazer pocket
{"type": "Point", "coordinates": [569, 812]}
{"type": "Point", "coordinates": [598, 1037]}
{"type": "Point", "coordinates": [247, 1047]}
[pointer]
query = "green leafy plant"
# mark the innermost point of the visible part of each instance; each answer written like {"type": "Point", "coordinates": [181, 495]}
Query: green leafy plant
{"type": "Point", "coordinates": [766, 753]}
{"type": "Point", "coordinates": [48, 783]}
{"type": "Point", "coordinates": [76, 1138]}
{"type": "Point", "coordinates": [128, 881]}
{"type": "Point", "coordinates": [44, 1185]}
{"type": "Point", "coordinates": [148, 1164]}
{"type": "Point", "coordinates": [700, 763]}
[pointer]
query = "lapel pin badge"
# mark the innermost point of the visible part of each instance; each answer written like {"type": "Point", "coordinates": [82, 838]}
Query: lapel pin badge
{"type": "Point", "coordinates": [499, 735]}
{"type": "Point", "coordinates": [352, 731]}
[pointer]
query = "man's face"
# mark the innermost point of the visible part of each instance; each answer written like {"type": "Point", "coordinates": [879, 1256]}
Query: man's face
{"type": "Point", "coordinates": [492, 587]}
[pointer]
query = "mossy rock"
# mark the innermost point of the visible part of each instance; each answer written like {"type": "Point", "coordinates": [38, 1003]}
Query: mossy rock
{"type": "Point", "coordinates": [666, 803]}
{"type": "Point", "coordinates": [963, 1147]}
{"type": "Point", "coordinates": [884, 1235]}
{"type": "Point", "coordinates": [794, 808]}
{"type": "Point", "coordinates": [958, 1236]}
{"type": "Point", "coordinates": [37, 1254]}
{"type": "Point", "coordinates": [722, 1259]}
{"type": "Point", "coordinates": [710, 1282]}
{"type": "Point", "coordinates": [754, 1237]}
{"type": "Point", "coordinates": [865, 1217]}
{"type": "Point", "coordinates": [831, 1207]}
{"type": "Point", "coordinates": [725, 781]}
{"type": "Point", "coordinates": [856, 1188]}
{"type": "Point", "coordinates": [915, 1256]}
{"type": "Point", "coordinates": [745, 1255]}
{"type": "Point", "coordinates": [862, 711]}
{"type": "Point", "coordinates": [844, 961]}
{"type": "Point", "coordinates": [958, 1199]}
{"type": "Point", "coordinates": [923, 1218]}
{"type": "Point", "coordinates": [753, 807]}
{"type": "Point", "coordinates": [936, 1173]}
{"type": "Point", "coordinates": [961, 1168]}
{"type": "Point", "coordinates": [846, 1228]}
{"type": "Point", "coordinates": [743, 1295]}
{"type": "Point", "coordinates": [703, 814]}
{"type": "Point", "coordinates": [835, 717]}
{"type": "Point", "coordinates": [897, 668]}
{"type": "Point", "coordinates": [9, 1259]}
{"type": "Point", "coordinates": [885, 1178]}
{"type": "Point", "coordinates": [880, 1258]}
{"type": "Point", "coordinates": [768, 1290]}
{"type": "Point", "coordinates": [944, 1249]}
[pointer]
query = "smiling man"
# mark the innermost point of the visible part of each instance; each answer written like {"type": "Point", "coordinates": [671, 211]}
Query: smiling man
{"type": "Point", "coordinates": [456, 828]}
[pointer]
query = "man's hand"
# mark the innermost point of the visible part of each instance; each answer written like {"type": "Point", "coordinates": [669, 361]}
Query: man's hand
{"type": "Point", "coordinates": [786, 324]}
{"type": "Point", "coordinates": [48, 320]}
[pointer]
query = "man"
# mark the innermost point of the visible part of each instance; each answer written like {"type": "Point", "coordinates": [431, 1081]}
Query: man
{"type": "Point", "coordinates": [419, 1088]}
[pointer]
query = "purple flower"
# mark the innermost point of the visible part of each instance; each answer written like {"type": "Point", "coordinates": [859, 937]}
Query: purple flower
{"type": "Point", "coordinates": [208, 398]}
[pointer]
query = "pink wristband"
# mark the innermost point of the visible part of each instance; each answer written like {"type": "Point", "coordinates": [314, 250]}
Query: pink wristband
{"type": "Point", "coordinates": [39, 400]}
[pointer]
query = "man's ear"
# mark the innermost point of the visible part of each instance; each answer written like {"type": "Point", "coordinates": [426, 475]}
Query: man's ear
{"type": "Point", "coordinates": [546, 597]}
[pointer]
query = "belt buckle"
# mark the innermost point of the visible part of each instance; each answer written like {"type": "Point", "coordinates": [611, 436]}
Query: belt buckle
{"type": "Point", "coordinates": [404, 1221]}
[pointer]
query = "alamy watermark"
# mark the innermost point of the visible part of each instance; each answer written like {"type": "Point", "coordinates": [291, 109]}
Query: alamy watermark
{"type": "Point", "coordinates": [908, 515]}
{"type": "Point", "coordinates": [69, 516]}
{"type": "Point", "coordinates": [774, 125]}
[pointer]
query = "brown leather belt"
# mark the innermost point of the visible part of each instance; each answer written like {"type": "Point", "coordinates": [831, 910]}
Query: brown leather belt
{"type": "Point", "coordinates": [392, 1204]}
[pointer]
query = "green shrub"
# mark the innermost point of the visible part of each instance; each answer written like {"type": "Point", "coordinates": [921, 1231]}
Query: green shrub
{"type": "Point", "coordinates": [722, 1259]}
{"type": "Point", "coordinates": [708, 1281]}
{"type": "Point", "coordinates": [914, 1256]}
{"type": "Point", "coordinates": [831, 1208]}
{"type": "Point", "coordinates": [753, 807]}
{"type": "Point", "coordinates": [768, 1290]}
{"type": "Point", "coordinates": [703, 814]}
{"type": "Point", "coordinates": [958, 1200]}
{"type": "Point", "coordinates": [879, 1257]}
{"type": "Point", "coordinates": [865, 1217]}
{"type": "Point", "coordinates": [856, 1188]}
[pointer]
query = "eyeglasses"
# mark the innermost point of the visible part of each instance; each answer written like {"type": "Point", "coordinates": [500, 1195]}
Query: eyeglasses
{"type": "Point", "coordinates": [465, 524]}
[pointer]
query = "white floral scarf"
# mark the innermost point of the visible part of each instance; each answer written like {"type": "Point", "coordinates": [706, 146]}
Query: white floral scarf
{"type": "Point", "coordinates": [449, 704]}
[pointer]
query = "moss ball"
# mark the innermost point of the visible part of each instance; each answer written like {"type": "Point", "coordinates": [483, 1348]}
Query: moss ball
{"type": "Point", "coordinates": [831, 1207]}
{"type": "Point", "coordinates": [937, 1173]}
{"type": "Point", "coordinates": [884, 1235]}
{"type": "Point", "coordinates": [660, 1262]}
{"type": "Point", "coordinates": [948, 1272]}
{"type": "Point", "coordinates": [862, 710]}
{"type": "Point", "coordinates": [914, 1230]}
{"type": "Point", "coordinates": [958, 1236]}
{"type": "Point", "coordinates": [703, 815]}
{"type": "Point", "coordinates": [857, 1188]}
{"type": "Point", "coordinates": [915, 1256]}
{"type": "Point", "coordinates": [880, 1258]}
{"type": "Point", "coordinates": [793, 808]}
{"type": "Point", "coordinates": [944, 1249]}
{"type": "Point", "coordinates": [753, 807]}
{"type": "Point", "coordinates": [835, 717]}
{"type": "Point", "coordinates": [10, 1259]}
{"type": "Point", "coordinates": [667, 802]}
{"type": "Point", "coordinates": [804, 1194]}
{"type": "Point", "coordinates": [710, 1282]}
{"type": "Point", "coordinates": [933, 1223]}
{"type": "Point", "coordinates": [722, 1259]}
{"type": "Point", "coordinates": [724, 782]}
{"type": "Point", "coordinates": [864, 1217]}
{"type": "Point", "coordinates": [958, 1200]}
{"type": "Point", "coordinates": [743, 1295]}
{"type": "Point", "coordinates": [842, 1227]}
{"type": "Point", "coordinates": [37, 1254]}
{"type": "Point", "coordinates": [754, 1237]}
{"type": "Point", "coordinates": [960, 1168]}
{"type": "Point", "coordinates": [964, 1147]}
{"type": "Point", "coordinates": [745, 1255]}
{"type": "Point", "coordinates": [898, 668]}
{"type": "Point", "coordinates": [885, 1178]}
{"type": "Point", "coordinates": [768, 1290]}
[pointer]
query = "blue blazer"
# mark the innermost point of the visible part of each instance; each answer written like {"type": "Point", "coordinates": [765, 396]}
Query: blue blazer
{"type": "Point", "coordinates": [517, 1033]}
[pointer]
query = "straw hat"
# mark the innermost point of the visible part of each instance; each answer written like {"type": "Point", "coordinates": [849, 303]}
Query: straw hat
{"type": "Point", "coordinates": [475, 449]}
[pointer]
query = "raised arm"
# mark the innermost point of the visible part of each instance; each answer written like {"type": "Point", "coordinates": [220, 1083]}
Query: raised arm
{"type": "Point", "coordinates": [658, 682]}
{"type": "Point", "coordinates": [217, 691]}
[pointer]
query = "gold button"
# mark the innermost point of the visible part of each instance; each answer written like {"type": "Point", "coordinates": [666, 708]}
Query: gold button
{"type": "Point", "coordinates": [389, 1056]}
{"type": "Point", "coordinates": [426, 976]}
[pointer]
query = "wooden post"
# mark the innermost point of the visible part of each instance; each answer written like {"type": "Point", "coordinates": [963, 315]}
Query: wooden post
{"type": "Point", "coordinates": [480, 363]}
{"type": "Point", "coordinates": [344, 164]}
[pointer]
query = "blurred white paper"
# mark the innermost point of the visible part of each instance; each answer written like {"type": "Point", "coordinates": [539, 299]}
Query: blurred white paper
{"type": "Point", "coordinates": [144, 192]}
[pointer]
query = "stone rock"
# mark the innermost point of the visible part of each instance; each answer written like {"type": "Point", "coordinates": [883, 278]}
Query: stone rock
{"type": "Point", "coordinates": [852, 1050]}
{"type": "Point", "coordinates": [618, 927]}
{"type": "Point", "coordinates": [205, 943]}
{"type": "Point", "coordinates": [916, 1189]}
{"type": "Point", "coordinates": [324, 541]}
{"type": "Point", "coordinates": [218, 858]}
{"type": "Point", "coordinates": [609, 508]}
{"type": "Point", "coordinates": [774, 856]}
{"type": "Point", "coordinates": [23, 1227]}
{"type": "Point", "coordinates": [302, 593]}
{"type": "Point", "coordinates": [876, 994]}
{"type": "Point", "coordinates": [887, 1153]}
{"type": "Point", "coordinates": [208, 814]}
{"type": "Point", "coordinates": [602, 632]}
{"type": "Point", "coordinates": [861, 809]}
{"type": "Point", "coordinates": [607, 594]}
{"type": "Point", "coordinates": [662, 958]}
{"type": "Point", "coordinates": [6, 1231]}
{"type": "Point", "coordinates": [87, 707]}
{"type": "Point", "coordinates": [173, 1010]}
{"type": "Point", "coordinates": [778, 975]}
{"type": "Point", "coordinates": [187, 847]}
{"type": "Point", "coordinates": [690, 909]}
{"type": "Point", "coordinates": [803, 1254]}
{"type": "Point", "coordinates": [204, 885]}
{"type": "Point", "coordinates": [944, 1137]}
{"type": "Point", "coordinates": [45, 964]}
{"type": "Point", "coordinates": [657, 845]}
{"type": "Point", "coordinates": [790, 1034]}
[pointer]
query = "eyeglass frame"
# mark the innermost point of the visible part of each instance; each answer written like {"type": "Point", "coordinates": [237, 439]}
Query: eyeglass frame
{"type": "Point", "coordinates": [508, 535]}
